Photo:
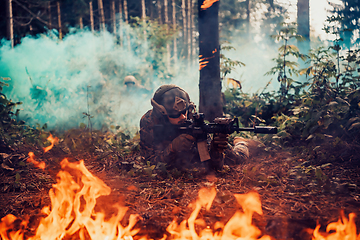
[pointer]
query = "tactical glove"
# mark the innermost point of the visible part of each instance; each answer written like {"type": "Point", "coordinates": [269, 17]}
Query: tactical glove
{"type": "Point", "coordinates": [182, 143]}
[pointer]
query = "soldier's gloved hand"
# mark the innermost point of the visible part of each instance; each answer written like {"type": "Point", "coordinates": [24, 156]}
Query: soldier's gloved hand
{"type": "Point", "coordinates": [219, 142]}
{"type": "Point", "coordinates": [182, 143]}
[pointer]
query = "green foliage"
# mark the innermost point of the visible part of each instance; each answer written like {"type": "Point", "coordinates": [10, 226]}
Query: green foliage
{"type": "Point", "coordinates": [325, 109]}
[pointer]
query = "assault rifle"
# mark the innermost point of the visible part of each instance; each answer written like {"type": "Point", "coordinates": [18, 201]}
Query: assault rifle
{"type": "Point", "coordinates": [198, 128]}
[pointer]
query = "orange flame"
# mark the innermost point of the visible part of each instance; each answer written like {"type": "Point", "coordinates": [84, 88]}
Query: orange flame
{"type": "Point", "coordinates": [208, 3]}
{"type": "Point", "coordinates": [238, 227]}
{"type": "Point", "coordinates": [32, 160]}
{"type": "Point", "coordinates": [202, 62]}
{"type": "Point", "coordinates": [73, 200]}
{"type": "Point", "coordinates": [343, 229]}
{"type": "Point", "coordinates": [52, 140]}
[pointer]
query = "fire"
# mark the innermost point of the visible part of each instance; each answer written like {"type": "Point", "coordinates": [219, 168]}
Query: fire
{"type": "Point", "coordinates": [52, 140]}
{"type": "Point", "coordinates": [74, 214]}
{"type": "Point", "coordinates": [208, 3]}
{"type": "Point", "coordinates": [31, 155]}
{"type": "Point", "coordinates": [238, 227]}
{"type": "Point", "coordinates": [72, 211]}
{"type": "Point", "coordinates": [202, 62]}
{"type": "Point", "coordinates": [343, 229]}
{"type": "Point", "coordinates": [32, 160]}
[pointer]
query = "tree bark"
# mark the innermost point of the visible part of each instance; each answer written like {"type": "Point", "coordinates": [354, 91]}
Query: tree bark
{"type": "Point", "coordinates": [91, 16]}
{"type": "Point", "coordinates": [113, 16]}
{"type": "Point", "coordinates": [81, 24]}
{"type": "Point", "coordinates": [183, 9]}
{"type": "Point", "coordinates": [209, 54]}
{"type": "Point", "coordinates": [126, 13]}
{"type": "Point", "coordinates": [10, 24]}
{"type": "Point", "coordinates": [303, 28]}
{"type": "Point", "coordinates": [102, 15]}
{"type": "Point", "coordinates": [59, 20]}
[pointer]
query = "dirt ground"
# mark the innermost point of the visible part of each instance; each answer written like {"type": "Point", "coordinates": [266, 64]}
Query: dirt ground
{"type": "Point", "coordinates": [295, 194]}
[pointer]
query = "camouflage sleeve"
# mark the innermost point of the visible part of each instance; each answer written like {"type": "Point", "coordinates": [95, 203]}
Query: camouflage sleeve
{"type": "Point", "coordinates": [151, 151]}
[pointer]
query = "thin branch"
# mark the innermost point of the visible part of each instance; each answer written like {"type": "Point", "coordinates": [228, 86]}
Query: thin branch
{"type": "Point", "coordinates": [33, 14]}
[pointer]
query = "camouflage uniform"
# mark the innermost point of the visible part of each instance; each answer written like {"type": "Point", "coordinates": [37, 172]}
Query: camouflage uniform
{"type": "Point", "coordinates": [161, 149]}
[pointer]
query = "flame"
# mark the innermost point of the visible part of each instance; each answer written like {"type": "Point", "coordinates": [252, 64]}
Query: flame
{"type": "Point", "coordinates": [202, 63]}
{"type": "Point", "coordinates": [343, 229]}
{"type": "Point", "coordinates": [238, 227]}
{"type": "Point", "coordinates": [72, 215]}
{"type": "Point", "coordinates": [31, 159]}
{"type": "Point", "coordinates": [208, 3]}
{"type": "Point", "coordinates": [38, 164]}
{"type": "Point", "coordinates": [72, 211]}
{"type": "Point", "coordinates": [52, 140]}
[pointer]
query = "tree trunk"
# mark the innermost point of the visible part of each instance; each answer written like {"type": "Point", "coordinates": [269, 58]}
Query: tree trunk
{"type": "Point", "coordinates": [120, 23]}
{"type": "Point", "coordinates": [102, 15]}
{"type": "Point", "coordinates": [303, 28]}
{"type": "Point", "coordinates": [189, 30]}
{"type": "Point", "coordinates": [143, 16]}
{"type": "Point", "coordinates": [209, 54]}
{"type": "Point", "coordinates": [193, 40]}
{"type": "Point", "coordinates": [59, 20]}
{"type": "Point", "coordinates": [174, 28]}
{"type": "Point", "coordinates": [81, 25]}
{"type": "Point", "coordinates": [183, 9]}
{"type": "Point", "coordinates": [10, 24]}
{"type": "Point", "coordinates": [159, 11]}
{"type": "Point", "coordinates": [91, 16]}
{"type": "Point", "coordinates": [49, 15]}
{"type": "Point", "coordinates": [126, 13]}
{"type": "Point", "coordinates": [113, 16]}
{"type": "Point", "coordinates": [166, 17]}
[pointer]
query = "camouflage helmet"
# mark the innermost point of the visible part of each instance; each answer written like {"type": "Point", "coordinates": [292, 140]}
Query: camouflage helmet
{"type": "Point", "coordinates": [130, 80]}
{"type": "Point", "coordinates": [170, 99]}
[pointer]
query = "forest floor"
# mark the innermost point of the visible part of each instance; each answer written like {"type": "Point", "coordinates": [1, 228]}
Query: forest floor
{"type": "Point", "coordinates": [295, 193]}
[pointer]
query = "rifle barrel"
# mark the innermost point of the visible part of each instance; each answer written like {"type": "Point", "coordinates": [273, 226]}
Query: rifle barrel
{"type": "Point", "coordinates": [259, 129]}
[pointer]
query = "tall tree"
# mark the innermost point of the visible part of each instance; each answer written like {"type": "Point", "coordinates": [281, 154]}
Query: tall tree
{"type": "Point", "coordinates": [303, 24]}
{"type": "Point", "coordinates": [183, 11]}
{"type": "Point", "coordinates": [59, 19]}
{"type": "Point", "coordinates": [120, 23]}
{"type": "Point", "coordinates": [159, 11]}
{"type": "Point", "coordinates": [166, 18]}
{"type": "Point", "coordinates": [91, 16]}
{"type": "Point", "coordinates": [10, 24]}
{"type": "Point", "coordinates": [209, 54]}
{"type": "Point", "coordinates": [174, 29]}
{"type": "Point", "coordinates": [113, 16]}
{"type": "Point", "coordinates": [102, 15]}
{"type": "Point", "coordinates": [126, 12]}
{"type": "Point", "coordinates": [189, 30]}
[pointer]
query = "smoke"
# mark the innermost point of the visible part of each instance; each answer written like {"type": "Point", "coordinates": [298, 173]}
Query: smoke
{"type": "Point", "coordinates": [81, 78]}
{"type": "Point", "coordinates": [257, 57]}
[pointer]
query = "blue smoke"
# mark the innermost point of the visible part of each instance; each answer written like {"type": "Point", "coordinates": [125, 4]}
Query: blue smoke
{"type": "Point", "coordinates": [59, 82]}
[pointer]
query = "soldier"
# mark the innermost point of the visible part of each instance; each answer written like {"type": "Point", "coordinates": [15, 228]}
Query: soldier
{"type": "Point", "coordinates": [171, 106]}
{"type": "Point", "coordinates": [133, 86]}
